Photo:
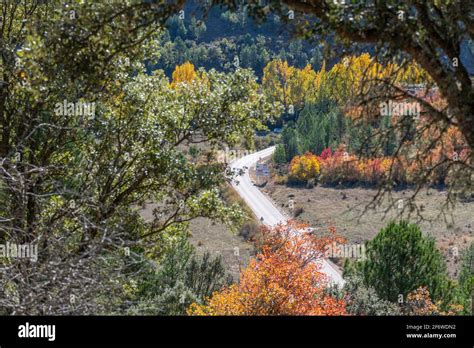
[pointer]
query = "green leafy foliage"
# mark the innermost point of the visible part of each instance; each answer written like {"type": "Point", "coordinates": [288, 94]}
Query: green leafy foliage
{"type": "Point", "coordinates": [181, 278]}
{"type": "Point", "coordinates": [363, 300]}
{"type": "Point", "coordinates": [320, 126]}
{"type": "Point", "coordinates": [291, 142]}
{"type": "Point", "coordinates": [72, 182]}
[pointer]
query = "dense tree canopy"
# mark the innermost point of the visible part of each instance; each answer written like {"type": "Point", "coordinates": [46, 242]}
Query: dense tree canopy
{"type": "Point", "coordinates": [91, 133]}
{"type": "Point", "coordinates": [86, 137]}
{"type": "Point", "coordinates": [431, 32]}
{"type": "Point", "coordinates": [426, 43]}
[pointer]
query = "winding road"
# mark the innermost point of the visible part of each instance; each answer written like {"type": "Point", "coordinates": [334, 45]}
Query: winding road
{"type": "Point", "coordinates": [264, 208]}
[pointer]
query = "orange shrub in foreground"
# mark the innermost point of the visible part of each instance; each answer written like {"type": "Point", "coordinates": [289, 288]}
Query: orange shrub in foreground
{"type": "Point", "coordinates": [281, 280]}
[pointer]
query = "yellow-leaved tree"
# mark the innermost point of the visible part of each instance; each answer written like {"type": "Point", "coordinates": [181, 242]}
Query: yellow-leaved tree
{"type": "Point", "coordinates": [304, 167]}
{"type": "Point", "coordinates": [277, 76]}
{"type": "Point", "coordinates": [183, 73]}
{"type": "Point", "coordinates": [292, 86]}
{"type": "Point", "coordinates": [354, 75]}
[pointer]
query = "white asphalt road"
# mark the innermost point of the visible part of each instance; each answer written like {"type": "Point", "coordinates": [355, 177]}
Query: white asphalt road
{"type": "Point", "coordinates": [262, 206]}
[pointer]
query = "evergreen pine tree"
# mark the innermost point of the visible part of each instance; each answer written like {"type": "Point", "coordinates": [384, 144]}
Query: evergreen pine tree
{"type": "Point", "coordinates": [400, 259]}
{"type": "Point", "coordinates": [279, 156]}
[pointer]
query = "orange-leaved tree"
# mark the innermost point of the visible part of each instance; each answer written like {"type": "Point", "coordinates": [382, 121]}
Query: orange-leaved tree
{"type": "Point", "coordinates": [419, 302]}
{"type": "Point", "coordinates": [283, 279]}
{"type": "Point", "coordinates": [304, 167]}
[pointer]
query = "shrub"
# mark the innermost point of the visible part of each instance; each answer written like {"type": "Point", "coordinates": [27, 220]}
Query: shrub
{"type": "Point", "coordinates": [418, 302]}
{"type": "Point", "coordinates": [298, 211]}
{"type": "Point", "coordinates": [280, 280]}
{"type": "Point", "coordinates": [326, 153]}
{"type": "Point", "coordinates": [363, 300]}
{"type": "Point", "coordinates": [182, 278]}
{"type": "Point", "coordinates": [304, 167]}
{"type": "Point", "coordinates": [339, 168]}
{"type": "Point", "coordinates": [372, 171]}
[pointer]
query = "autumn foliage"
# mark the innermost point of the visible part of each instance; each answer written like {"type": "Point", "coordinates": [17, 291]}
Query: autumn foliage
{"type": "Point", "coordinates": [419, 302]}
{"type": "Point", "coordinates": [354, 75]}
{"type": "Point", "coordinates": [342, 167]}
{"type": "Point", "coordinates": [344, 81]}
{"type": "Point", "coordinates": [283, 279]}
{"type": "Point", "coordinates": [338, 166]}
{"type": "Point", "coordinates": [435, 163]}
{"type": "Point", "coordinates": [184, 73]}
{"type": "Point", "coordinates": [288, 85]}
{"type": "Point", "coordinates": [304, 167]}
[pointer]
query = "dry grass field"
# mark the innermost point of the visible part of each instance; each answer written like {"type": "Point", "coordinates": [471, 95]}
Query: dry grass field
{"type": "Point", "coordinates": [341, 208]}
{"type": "Point", "coordinates": [217, 239]}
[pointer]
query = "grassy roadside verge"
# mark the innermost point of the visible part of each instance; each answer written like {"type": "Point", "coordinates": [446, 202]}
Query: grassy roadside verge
{"type": "Point", "coordinates": [236, 249]}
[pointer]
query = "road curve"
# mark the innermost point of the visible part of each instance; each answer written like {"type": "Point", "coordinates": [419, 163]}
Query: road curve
{"type": "Point", "coordinates": [264, 208]}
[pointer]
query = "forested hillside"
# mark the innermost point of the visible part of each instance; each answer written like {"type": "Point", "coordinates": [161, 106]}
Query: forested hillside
{"type": "Point", "coordinates": [215, 38]}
